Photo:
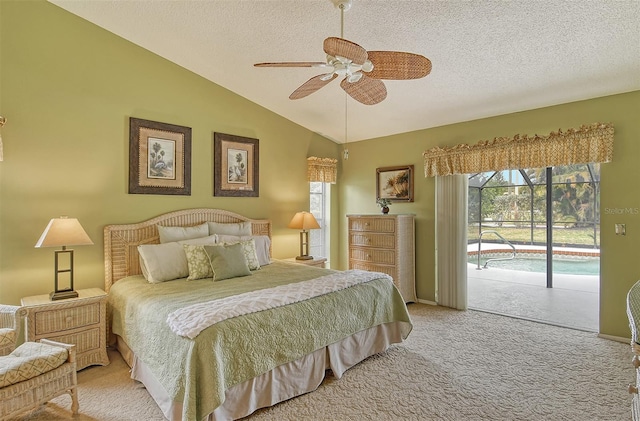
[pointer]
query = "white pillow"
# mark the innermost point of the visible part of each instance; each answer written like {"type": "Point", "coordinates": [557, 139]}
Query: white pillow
{"type": "Point", "coordinates": [209, 240]}
{"type": "Point", "coordinates": [239, 228]}
{"type": "Point", "coordinates": [168, 261]}
{"type": "Point", "coordinates": [163, 262]}
{"type": "Point", "coordinates": [171, 234]}
{"type": "Point", "coordinates": [262, 245]}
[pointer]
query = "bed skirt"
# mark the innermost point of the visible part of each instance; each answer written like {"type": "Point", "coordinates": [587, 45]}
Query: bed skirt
{"type": "Point", "coordinates": [283, 382]}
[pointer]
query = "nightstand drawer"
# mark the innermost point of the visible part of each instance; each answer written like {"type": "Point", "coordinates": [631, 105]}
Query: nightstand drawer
{"type": "Point", "coordinates": [381, 256]}
{"type": "Point", "coordinates": [86, 340]}
{"type": "Point", "coordinates": [372, 224]}
{"type": "Point", "coordinates": [373, 240]}
{"type": "Point", "coordinates": [56, 320]}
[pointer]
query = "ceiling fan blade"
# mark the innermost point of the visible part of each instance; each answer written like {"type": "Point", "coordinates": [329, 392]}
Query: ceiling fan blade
{"type": "Point", "coordinates": [398, 65]}
{"type": "Point", "coordinates": [311, 86]}
{"type": "Point", "coordinates": [367, 91]}
{"type": "Point", "coordinates": [294, 64]}
{"type": "Point", "coordinates": [344, 48]}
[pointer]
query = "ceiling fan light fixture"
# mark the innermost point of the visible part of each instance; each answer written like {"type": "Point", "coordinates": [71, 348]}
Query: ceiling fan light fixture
{"type": "Point", "coordinates": [367, 66]}
{"type": "Point", "coordinates": [326, 77]}
{"type": "Point", "coordinates": [354, 77]}
{"type": "Point", "coordinates": [343, 5]}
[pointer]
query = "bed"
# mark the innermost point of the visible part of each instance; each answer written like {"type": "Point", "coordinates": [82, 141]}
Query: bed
{"type": "Point", "coordinates": [271, 352]}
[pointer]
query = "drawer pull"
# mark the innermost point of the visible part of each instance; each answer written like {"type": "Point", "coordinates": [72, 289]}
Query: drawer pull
{"type": "Point", "coordinates": [636, 361]}
{"type": "Point", "coordinates": [366, 224]}
{"type": "Point", "coordinates": [69, 319]}
{"type": "Point", "coordinates": [633, 390]}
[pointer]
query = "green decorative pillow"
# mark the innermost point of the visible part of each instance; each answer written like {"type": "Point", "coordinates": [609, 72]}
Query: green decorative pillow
{"type": "Point", "coordinates": [227, 261]}
{"type": "Point", "coordinates": [198, 262]}
{"type": "Point", "coordinates": [249, 250]}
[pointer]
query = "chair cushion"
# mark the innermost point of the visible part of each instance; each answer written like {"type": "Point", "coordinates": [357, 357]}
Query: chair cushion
{"type": "Point", "coordinates": [7, 337]}
{"type": "Point", "coordinates": [30, 360]}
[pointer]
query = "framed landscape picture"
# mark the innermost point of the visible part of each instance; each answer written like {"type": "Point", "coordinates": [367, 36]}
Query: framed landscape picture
{"type": "Point", "coordinates": [395, 183]}
{"type": "Point", "coordinates": [159, 158]}
{"type": "Point", "coordinates": [235, 166]}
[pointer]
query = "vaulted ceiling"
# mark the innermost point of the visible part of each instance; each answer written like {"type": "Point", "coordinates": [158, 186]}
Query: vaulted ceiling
{"type": "Point", "coordinates": [489, 57]}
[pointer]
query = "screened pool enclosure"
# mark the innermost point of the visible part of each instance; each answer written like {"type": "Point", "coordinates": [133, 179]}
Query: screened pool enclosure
{"type": "Point", "coordinates": [556, 206]}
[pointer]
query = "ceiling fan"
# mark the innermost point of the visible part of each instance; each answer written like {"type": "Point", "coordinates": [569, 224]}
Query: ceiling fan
{"type": "Point", "coordinates": [362, 71]}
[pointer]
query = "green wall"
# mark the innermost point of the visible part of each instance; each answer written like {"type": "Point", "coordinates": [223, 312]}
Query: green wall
{"type": "Point", "coordinates": [68, 90]}
{"type": "Point", "coordinates": [620, 197]}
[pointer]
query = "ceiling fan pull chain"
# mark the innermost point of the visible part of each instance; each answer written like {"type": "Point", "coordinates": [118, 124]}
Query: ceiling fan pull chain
{"type": "Point", "coordinates": [345, 152]}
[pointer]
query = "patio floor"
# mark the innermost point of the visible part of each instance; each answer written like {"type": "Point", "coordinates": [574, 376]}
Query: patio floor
{"type": "Point", "coordinates": [572, 302]}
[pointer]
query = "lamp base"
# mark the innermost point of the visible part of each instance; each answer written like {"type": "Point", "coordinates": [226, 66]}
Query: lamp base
{"type": "Point", "coordinates": [304, 258]}
{"type": "Point", "coordinates": [63, 295]}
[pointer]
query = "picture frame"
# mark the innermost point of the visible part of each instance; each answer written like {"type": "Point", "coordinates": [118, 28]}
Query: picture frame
{"type": "Point", "coordinates": [159, 158]}
{"type": "Point", "coordinates": [395, 183]}
{"type": "Point", "coordinates": [236, 163]}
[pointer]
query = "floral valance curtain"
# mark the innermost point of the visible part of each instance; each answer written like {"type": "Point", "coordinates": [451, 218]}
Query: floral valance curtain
{"type": "Point", "coordinates": [324, 170]}
{"type": "Point", "coordinates": [589, 143]}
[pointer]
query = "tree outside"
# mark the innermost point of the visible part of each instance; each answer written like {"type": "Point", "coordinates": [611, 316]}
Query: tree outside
{"type": "Point", "coordinates": [514, 202]}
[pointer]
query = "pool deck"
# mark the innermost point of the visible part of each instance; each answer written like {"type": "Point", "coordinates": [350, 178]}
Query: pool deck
{"type": "Point", "coordinates": [572, 302]}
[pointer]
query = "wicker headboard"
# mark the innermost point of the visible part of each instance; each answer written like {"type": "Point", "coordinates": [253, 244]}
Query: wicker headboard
{"type": "Point", "coordinates": [121, 241]}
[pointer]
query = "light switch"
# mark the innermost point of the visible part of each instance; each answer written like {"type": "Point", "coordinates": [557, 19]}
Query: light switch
{"type": "Point", "coordinates": [621, 229]}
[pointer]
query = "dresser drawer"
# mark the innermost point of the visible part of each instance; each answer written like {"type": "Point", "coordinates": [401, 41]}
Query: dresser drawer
{"type": "Point", "coordinates": [56, 320]}
{"type": "Point", "coordinates": [389, 270]}
{"type": "Point", "coordinates": [380, 256]}
{"type": "Point", "coordinates": [387, 241]}
{"type": "Point", "coordinates": [372, 224]}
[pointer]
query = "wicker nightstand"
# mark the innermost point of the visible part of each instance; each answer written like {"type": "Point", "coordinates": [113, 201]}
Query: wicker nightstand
{"type": "Point", "coordinates": [80, 321]}
{"type": "Point", "coordinates": [317, 261]}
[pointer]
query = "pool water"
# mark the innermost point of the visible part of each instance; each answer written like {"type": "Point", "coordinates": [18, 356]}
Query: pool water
{"type": "Point", "coordinates": [589, 266]}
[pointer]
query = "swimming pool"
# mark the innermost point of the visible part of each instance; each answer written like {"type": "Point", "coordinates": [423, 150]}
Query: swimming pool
{"type": "Point", "coordinates": [571, 266]}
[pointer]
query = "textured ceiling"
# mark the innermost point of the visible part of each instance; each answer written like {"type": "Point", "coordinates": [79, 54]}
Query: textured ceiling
{"type": "Point", "coordinates": [489, 57]}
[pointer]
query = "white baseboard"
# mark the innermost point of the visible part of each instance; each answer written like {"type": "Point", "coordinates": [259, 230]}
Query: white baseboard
{"type": "Point", "coordinates": [615, 338]}
{"type": "Point", "coordinates": [431, 303]}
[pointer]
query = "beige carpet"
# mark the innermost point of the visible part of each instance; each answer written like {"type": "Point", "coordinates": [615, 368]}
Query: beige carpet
{"type": "Point", "coordinates": [454, 366]}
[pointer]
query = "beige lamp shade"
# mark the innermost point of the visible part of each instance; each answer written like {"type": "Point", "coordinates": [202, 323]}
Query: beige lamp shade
{"type": "Point", "coordinates": [304, 221]}
{"type": "Point", "coordinates": [63, 231]}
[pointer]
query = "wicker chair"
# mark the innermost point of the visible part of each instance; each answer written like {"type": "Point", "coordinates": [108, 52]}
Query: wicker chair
{"type": "Point", "coordinates": [11, 322]}
{"type": "Point", "coordinates": [36, 389]}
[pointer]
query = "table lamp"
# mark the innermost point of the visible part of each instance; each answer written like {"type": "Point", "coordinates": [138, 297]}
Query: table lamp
{"type": "Point", "coordinates": [304, 221]}
{"type": "Point", "coordinates": [63, 232]}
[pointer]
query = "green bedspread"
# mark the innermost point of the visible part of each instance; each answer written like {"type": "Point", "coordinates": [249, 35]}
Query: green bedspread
{"type": "Point", "coordinates": [197, 371]}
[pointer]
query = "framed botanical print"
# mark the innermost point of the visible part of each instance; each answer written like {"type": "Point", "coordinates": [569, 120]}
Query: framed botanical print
{"type": "Point", "coordinates": [236, 166]}
{"type": "Point", "coordinates": [159, 158]}
{"type": "Point", "coordinates": [395, 183]}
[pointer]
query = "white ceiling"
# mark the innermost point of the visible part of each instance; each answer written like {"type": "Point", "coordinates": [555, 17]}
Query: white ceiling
{"type": "Point", "coordinates": [489, 57]}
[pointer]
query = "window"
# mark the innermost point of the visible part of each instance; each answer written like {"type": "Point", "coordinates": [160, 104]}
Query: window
{"type": "Point", "coordinates": [319, 206]}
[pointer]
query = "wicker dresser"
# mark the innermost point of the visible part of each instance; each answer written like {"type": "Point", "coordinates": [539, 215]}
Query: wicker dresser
{"type": "Point", "coordinates": [385, 243]}
{"type": "Point", "coordinates": [80, 321]}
